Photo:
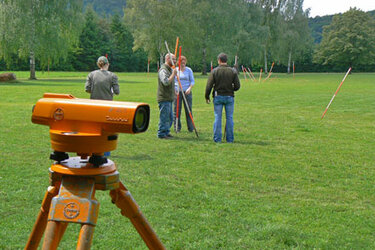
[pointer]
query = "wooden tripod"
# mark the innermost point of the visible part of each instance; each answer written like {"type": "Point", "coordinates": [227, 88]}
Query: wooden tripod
{"type": "Point", "coordinates": [71, 199]}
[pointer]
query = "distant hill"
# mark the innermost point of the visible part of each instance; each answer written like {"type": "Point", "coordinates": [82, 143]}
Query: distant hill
{"type": "Point", "coordinates": [107, 7]}
{"type": "Point", "coordinates": [316, 24]}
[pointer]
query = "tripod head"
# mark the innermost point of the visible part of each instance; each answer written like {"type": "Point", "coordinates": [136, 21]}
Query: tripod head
{"type": "Point", "coordinates": [88, 127]}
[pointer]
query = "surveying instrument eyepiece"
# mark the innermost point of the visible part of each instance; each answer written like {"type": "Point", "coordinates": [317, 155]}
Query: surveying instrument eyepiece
{"type": "Point", "coordinates": [88, 128]}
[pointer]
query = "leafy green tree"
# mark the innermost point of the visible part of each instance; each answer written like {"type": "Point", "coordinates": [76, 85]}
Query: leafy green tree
{"type": "Point", "coordinates": [151, 22]}
{"type": "Point", "coordinates": [205, 27]}
{"type": "Point", "coordinates": [196, 31]}
{"type": "Point", "coordinates": [232, 27]}
{"type": "Point", "coordinates": [139, 61]}
{"type": "Point", "coordinates": [250, 33]}
{"type": "Point", "coordinates": [272, 21]}
{"type": "Point", "coordinates": [296, 37]}
{"type": "Point", "coordinates": [38, 29]}
{"type": "Point", "coordinates": [348, 41]}
{"type": "Point", "coordinates": [209, 23]}
{"type": "Point", "coordinates": [94, 41]}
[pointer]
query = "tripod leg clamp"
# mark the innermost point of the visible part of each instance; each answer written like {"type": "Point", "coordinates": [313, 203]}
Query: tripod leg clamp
{"type": "Point", "coordinates": [75, 201]}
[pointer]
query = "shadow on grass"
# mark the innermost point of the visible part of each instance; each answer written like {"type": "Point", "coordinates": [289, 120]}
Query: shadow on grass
{"type": "Point", "coordinates": [82, 80]}
{"type": "Point", "coordinates": [9, 83]}
{"type": "Point", "coordinates": [193, 138]}
{"type": "Point", "coordinates": [32, 83]}
{"type": "Point", "coordinates": [50, 82]}
{"type": "Point", "coordinates": [209, 140]}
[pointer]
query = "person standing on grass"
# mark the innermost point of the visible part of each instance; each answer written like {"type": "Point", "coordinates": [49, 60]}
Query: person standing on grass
{"type": "Point", "coordinates": [224, 81]}
{"type": "Point", "coordinates": [187, 82]}
{"type": "Point", "coordinates": [102, 84]}
{"type": "Point", "coordinates": [165, 96]}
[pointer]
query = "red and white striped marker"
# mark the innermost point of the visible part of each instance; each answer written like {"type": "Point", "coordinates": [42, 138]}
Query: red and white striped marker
{"type": "Point", "coordinates": [333, 97]}
{"type": "Point", "coordinates": [269, 73]}
{"type": "Point", "coordinates": [248, 69]}
{"type": "Point", "coordinates": [247, 72]}
{"type": "Point", "coordinates": [244, 72]}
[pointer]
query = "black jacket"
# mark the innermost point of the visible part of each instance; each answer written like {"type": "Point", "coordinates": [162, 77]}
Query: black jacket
{"type": "Point", "coordinates": [224, 81]}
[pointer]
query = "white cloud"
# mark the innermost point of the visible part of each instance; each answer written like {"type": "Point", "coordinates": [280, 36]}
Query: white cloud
{"type": "Point", "coordinates": [329, 7]}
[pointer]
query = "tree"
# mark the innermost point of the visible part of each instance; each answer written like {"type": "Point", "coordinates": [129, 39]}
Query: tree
{"type": "Point", "coordinates": [100, 37]}
{"type": "Point", "coordinates": [152, 22]}
{"type": "Point", "coordinates": [39, 29]}
{"type": "Point", "coordinates": [209, 22]}
{"type": "Point", "coordinates": [122, 45]}
{"type": "Point", "coordinates": [204, 32]}
{"type": "Point", "coordinates": [316, 25]}
{"type": "Point", "coordinates": [250, 33]}
{"type": "Point", "coordinates": [94, 41]}
{"type": "Point", "coordinates": [296, 36]}
{"type": "Point", "coordinates": [273, 22]}
{"type": "Point", "coordinates": [348, 41]}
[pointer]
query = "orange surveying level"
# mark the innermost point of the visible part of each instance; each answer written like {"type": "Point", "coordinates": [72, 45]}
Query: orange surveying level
{"type": "Point", "coordinates": [88, 128]}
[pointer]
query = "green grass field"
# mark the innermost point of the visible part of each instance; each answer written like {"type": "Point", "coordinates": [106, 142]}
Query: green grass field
{"type": "Point", "coordinates": [290, 180]}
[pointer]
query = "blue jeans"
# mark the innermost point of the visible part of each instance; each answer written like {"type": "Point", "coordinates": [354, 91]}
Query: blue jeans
{"type": "Point", "coordinates": [228, 103]}
{"type": "Point", "coordinates": [165, 118]}
{"type": "Point", "coordinates": [189, 99]}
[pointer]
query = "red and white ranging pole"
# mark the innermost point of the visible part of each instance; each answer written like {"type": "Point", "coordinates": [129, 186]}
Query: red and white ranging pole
{"type": "Point", "coordinates": [333, 97]}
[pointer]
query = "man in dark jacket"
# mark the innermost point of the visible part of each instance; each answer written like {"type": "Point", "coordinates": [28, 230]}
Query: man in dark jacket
{"type": "Point", "coordinates": [165, 96]}
{"type": "Point", "coordinates": [224, 81]}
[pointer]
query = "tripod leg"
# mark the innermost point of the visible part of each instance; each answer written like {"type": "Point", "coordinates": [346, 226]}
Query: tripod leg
{"type": "Point", "coordinates": [41, 221]}
{"type": "Point", "coordinates": [85, 237]}
{"type": "Point", "coordinates": [129, 208]}
{"type": "Point", "coordinates": [63, 227]}
{"type": "Point", "coordinates": [53, 235]}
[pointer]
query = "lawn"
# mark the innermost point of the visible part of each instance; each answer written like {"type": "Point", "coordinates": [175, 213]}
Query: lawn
{"type": "Point", "coordinates": [290, 180]}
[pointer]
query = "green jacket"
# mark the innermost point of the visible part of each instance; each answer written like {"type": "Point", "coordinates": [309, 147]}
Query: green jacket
{"type": "Point", "coordinates": [102, 84]}
{"type": "Point", "coordinates": [165, 88]}
{"type": "Point", "coordinates": [224, 80]}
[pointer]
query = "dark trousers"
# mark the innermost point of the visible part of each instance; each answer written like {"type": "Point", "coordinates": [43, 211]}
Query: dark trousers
{"type": "Point", "coordinates": [177, 122]}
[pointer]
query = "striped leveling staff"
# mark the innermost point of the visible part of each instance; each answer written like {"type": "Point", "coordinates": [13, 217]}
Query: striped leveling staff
{"type": "Point", "coordinates": [178, 92]}
{"type": "Point", "coordinates": [333, 97]}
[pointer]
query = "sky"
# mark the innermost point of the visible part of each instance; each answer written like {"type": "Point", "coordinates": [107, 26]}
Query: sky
{"type": "Point", "coordinates": [330, 7]}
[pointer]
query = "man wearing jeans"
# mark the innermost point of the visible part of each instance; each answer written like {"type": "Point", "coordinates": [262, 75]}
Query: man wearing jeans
{"type": "Point", "coordinates": [224, 81]}
{"type": "Point", "coordinates": [165, 96]}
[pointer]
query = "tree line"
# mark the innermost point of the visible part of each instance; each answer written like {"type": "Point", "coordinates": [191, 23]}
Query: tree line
{"type": "Point", "coordinates": [56, 35]}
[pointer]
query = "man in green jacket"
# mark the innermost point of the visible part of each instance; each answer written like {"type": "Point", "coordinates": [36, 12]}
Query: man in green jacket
{"type": "Point", "coordinates": [224, 81]}
{"type": "Point", "coordinates": [165, 96]}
